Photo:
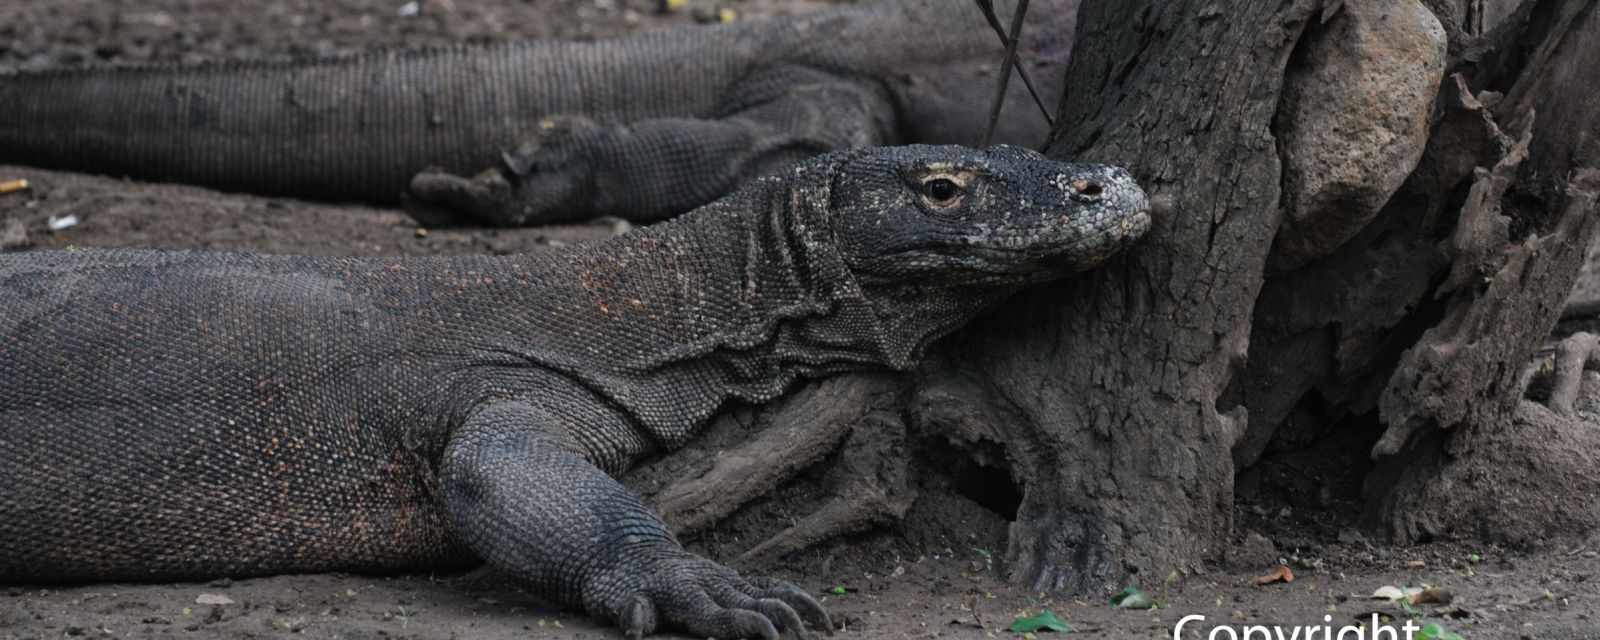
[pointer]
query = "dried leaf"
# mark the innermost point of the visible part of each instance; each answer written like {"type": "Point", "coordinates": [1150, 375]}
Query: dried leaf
{"type": "Point", "coordinates": [61, 223]}
{"type": "Point", "coordinates": [1391, 592]}
{"type": "Point", "coordinates": [1388, 592]}
{"type": "Point", "coordinates": [1431, 595]}
{"type": "Point", "coordinates": [1281, 574]}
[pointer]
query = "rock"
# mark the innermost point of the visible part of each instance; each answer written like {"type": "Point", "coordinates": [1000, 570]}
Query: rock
{"type": "Point", "coordinates": [712, 13]}
{"type": "Point", "coordinates": [213, 598]}
{"type": "Point", "coordinates": [13, 236]}
{"type": "Point", "coordinates": [1352, 536]}
{"type": "Point", "coordinates": [1353, 121]}
{"type": "Point", "coordinates": [1255, 554]}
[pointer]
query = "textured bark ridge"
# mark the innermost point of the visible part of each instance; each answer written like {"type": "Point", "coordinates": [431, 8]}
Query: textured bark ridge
{"type": "Point", "coordinates": [1387, 338]}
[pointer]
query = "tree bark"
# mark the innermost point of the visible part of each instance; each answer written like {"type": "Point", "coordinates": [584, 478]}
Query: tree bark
{"type": "Point", "coordinates": [1117, 374]}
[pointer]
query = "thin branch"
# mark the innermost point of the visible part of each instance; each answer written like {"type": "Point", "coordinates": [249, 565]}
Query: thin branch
{"type": "Point", "coordinates": [1011, 60]}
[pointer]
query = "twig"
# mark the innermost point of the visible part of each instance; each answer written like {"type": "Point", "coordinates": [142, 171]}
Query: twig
{"type": "Point", "coordinates": [987, 6]}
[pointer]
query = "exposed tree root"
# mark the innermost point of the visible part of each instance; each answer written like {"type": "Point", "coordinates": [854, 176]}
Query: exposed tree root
{"type": "Point", "coordinates": [1575, 354]}
{"type": "Point", "coordinates": [867, 486]}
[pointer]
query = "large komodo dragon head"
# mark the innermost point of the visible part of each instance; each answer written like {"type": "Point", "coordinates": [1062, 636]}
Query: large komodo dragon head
{"type": "Point", "coordinates": [931, 235]}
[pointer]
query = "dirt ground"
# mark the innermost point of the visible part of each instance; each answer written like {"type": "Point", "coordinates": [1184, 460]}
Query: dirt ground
{"type": "Point", "coordinates": [900, 583]}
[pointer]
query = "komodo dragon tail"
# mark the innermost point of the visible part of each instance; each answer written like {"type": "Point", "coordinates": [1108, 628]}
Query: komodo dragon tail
{"type": "Point", "coordinates": [355, 128]}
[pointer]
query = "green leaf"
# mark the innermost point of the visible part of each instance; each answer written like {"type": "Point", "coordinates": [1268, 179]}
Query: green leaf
{"type": "Point", "coordinates": [1138, 601]}
{"type": "Point", "coordinates": [1132, 598]}
{"type": "Point", "coordinates": [1045, 621]}
{"type": "Point", "coordinates": [1433, 631]}
{"type": "Point", "coordinates": [837, 590]}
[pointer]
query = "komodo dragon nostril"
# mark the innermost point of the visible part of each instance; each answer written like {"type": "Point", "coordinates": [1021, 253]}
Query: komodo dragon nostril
{"type": "Point", "coordinates": [1086, 188]}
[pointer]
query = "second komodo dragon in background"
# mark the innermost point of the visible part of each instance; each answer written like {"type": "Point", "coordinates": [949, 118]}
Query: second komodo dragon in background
{"type": "Point", "coordinates": [644, 127]}
{"type": "Point", "coordinates": [179, 415]}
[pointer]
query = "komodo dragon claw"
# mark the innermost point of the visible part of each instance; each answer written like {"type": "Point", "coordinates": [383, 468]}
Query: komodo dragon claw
{"type": "Point", "coordinates": [711, 600]}
{"type": "Point", "coordinates": [439, 198]}
{"type": "Point", "coordinates": [545, 180]}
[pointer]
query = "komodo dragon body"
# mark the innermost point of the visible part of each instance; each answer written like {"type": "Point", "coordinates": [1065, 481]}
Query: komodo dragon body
{"type": "Point", "coordinates": [169, 415]}
{"type": "Point", "coordinates": [644, 127]}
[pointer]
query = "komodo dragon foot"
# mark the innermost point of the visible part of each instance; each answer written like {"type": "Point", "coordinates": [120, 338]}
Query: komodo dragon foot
{"type": "Point", "coordinates": [546, 180]}
{"type": "Point", "coordinates": [708, 598]}
{"type": "Point", "coordinates": [528, 502]}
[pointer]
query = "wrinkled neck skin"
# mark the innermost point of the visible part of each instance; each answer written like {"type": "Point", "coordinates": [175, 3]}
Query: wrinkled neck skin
{"type": "Point", "coordinates": [837, 317]}
{"type": "Point", "coordinates": [912, 319]}
{"type": "Point", "coordinates": [948, 102]}
{"type": "Point", "coordinates": [881, 323]}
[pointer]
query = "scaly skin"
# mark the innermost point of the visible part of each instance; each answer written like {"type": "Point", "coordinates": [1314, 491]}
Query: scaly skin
{"type": "Point", "coordinates": [187, 415]}
{"type": "Point", "coordinates": [645, 127]}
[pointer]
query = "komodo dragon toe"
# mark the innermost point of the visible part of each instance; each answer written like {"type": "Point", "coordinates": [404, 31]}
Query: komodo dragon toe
{"type": "Point", "coordinates": [706, 599]}
{"type": "Point", "coordinates": [547, 179]}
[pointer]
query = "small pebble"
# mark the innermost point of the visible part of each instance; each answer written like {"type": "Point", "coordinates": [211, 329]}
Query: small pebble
{"type": "Point", "coordinates": [14, 235]}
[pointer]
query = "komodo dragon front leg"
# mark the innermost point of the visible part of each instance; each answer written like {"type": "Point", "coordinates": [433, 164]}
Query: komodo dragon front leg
{"type": "Point", "coordinates": [524, 492]}
{"type": "Point", "coordinates": [653, 169]}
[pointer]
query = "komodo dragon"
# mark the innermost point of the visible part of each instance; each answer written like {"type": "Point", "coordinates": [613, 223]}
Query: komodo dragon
{"type": "Point", "coordinates": [644, 127]}
{"type": "Point", "coordinates": [175, 415]}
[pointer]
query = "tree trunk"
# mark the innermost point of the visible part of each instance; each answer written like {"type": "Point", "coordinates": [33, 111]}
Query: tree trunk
{"type": "Point", "coordinates": [1116, 376]}
{"type": "Point", "coordinates": [1373, 211]}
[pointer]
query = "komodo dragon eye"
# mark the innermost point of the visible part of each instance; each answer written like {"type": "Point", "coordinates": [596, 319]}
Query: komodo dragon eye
{"type": "Point", "coordinates": [941, 191]}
